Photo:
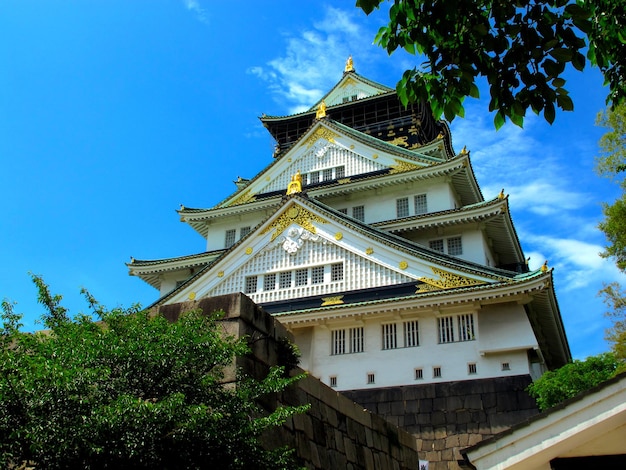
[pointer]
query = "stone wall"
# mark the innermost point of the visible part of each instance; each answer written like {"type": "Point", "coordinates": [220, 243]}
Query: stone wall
{"type": "Point", "coordinates": [335, 433]}
{"type": "Point", "coordinates": [447, 417]}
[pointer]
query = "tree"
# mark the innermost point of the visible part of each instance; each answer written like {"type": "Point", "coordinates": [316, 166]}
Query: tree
{"type": "Point", "coordinates": [615, 298]}
{"type": "Point", "coordinates": [130, 391]}
{"type": "Point", "coordinates": [521, 48]}
{"type": "Point", "coordinates": [556, 386]}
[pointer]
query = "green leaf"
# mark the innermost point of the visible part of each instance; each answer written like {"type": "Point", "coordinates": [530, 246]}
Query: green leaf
{"type": "Point", "coordinates": [499, 120]}
{"type": "Point", "coordinates": [561, 54]}
{"type": "Point", "coordinates": [565, 102]}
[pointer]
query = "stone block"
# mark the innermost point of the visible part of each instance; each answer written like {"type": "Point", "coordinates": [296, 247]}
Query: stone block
{"type": "Point", "coordinates": [440, 432]}
{"type": "Point", "coordinates": [473, 402]}
{"type": "Point", "coordinates": [438, 418]}
{"type": "Point", "coordinates": [439, 404]}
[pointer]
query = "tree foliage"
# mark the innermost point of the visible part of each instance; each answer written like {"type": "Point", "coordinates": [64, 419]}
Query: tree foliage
{"type": "Point", "coordinates": [521, 47]}
{"type": "Point", "coordinates": [130, 390]}
{"type": "Point", "coordinates": [556, 386]}
{"type": "Point", "coordinates": [614, 297]}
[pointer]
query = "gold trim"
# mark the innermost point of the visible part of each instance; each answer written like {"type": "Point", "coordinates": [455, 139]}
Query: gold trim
{"type": "Point", "coordinates": [375, 156]}
{"type": "Point", "coordinates": [192, 295]}
{"type": "Point", "coordinates": [349, 81]}
{"type": "Point", "coordinates": [338, 236]}
{"type": "Point", "coordinates": [295, 185]}
{"type": "Point", "coordinates": [402, 167]}
{"type": "Point", "coordinates": [321, 111]}
{"type": "Point", "coordinates": [343, 181]}
{"type": "Point", "coordinates": [422, 288]}
{"type": "Point", "coordinates": [321, 133]}
{"type": "Point", "coordinates": [369, 251]}
{"type": "Point", "coordinates": [220, 274]}
{"type": "Point", "coordinates": [449, 280]}
{"type": "Point", "coordinates": [243, 199]}
{"type": "Point", "coordinates": [249, 250]}
{"type": "Point", "coordinates": [352, 147]}
{"type": "Point", "coordinates": [293, 214]}
{"type": "Point", "coordinates": [403, 265]}
{"type": "Point", "coordinates": [349, 65]}
{"type": "Point", "coordinates": [337, 300]}
{"type": "Point", "coordinates": [400, 141]}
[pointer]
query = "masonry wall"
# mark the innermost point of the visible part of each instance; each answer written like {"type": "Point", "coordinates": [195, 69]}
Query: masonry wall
{"type": "Point", "coordinates": [335, 432]}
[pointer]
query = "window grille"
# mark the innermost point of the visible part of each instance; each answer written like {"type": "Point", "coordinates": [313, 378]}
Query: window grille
{"type": "Point", "coordinates": [446, 329]}
{"type": "Point", "coordinates": [336, 272]}
{"type": "Point", "coordinates": [419, 374]}
{"type": "Point", "coordinates": [371, 378]}
{"type": "Point", "coordinates": [269, 281]}
{"type": "Point", "coordinates": [338, 342]}
{"type": "Point", "coordinates": [389, 336]}
{"type": "Point", "coordinates": [437, 372]}
{"type": "Point", "coordinates": [358, 212]}
{"type": "Point", "coordinates": [421, 206]}
{"type": "Point", "coordinates": [343, 211]}
{"type": "Point", "coordinates": [466, 327]}
{"type": "Point", "coordinates": [345, 99]}
{"type": "Point", "coordinates": [230, 238]}
{"type": "Point", "coordinates": [471, 368]}
{"type": "Point", "coordinates": [327, 174]}
{"type": "Point", "coordinates": [402, 207]}
{"type": "Point", "coordinates": [354, 97]}
{"type": "Point", "coordinates": [251, 282]}
{"type": "Point", "coordinates": [455, 247]}
{"type": "Point", "coordinates": [340, 172]}
{"type": "Point", "coordinates": [356, 339]}
{"type": "Point", "coordinates": [506, 366]}
{"type": "Point", "coordinates": [284, 280]}
{"type": "Point", "coordinates": [301, 277]}
{"type": "Point", "coordinates": [317, 275]}
{"type": "Point", "coordinates": [333, 381]}
{"type": "Point", "coordinates": [436, 245]}
{"type": "Point", "coordinates": [314, 177]}
{"type": "Point", "coordinates": [411, 334]}
{"type": "Point", "coordinates": [243, 231]}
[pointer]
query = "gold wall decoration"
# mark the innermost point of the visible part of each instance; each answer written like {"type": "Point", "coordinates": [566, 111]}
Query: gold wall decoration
{"type": "Point", "coordinates": [369, 251]}
{"type": "Point", "coordinates": [375, 156]}
{"type": "Point", "coordinates": [220, 274]}
{"type": "Point", "coordinates": [321, 111]}
{"type": "Point", "coordinates": [320, 133]}
{"type": "Point", "coordinates": [249, 250]}
{"type": "Point", "coordinates": [295, 185]}
{"type": "Point", "coordinates": [243, 199]}
{"type": "Point", "coordinates": [267, 178]}
{"type": "Point", "coordinates": [326, 301]}
{"type": "Point", "coordinates": [352, 147]}
{"type": "Point", "coordinates": [421, 288]}
{"type": "Point", "coordinates": [293, 214]}
{"type": "Point", "coordinates": [449, 280]}
{"type": "Point", "coordinates": [343, 180]}
{"type": "Point", "coordinates": [400, 141]}
{"type": "Point", "coordinates": [402, 166]}
{"type": "Point", "coordinates": [338, 236]}
{"type": "Point", "coordinates": [403, 265]}
{"type": "Point", "coordinates": [192, 295]}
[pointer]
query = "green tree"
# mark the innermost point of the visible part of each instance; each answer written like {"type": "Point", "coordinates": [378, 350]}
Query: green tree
{"type": "Point", "coordinates": [521, 48]}
{"type": "Point", "coordinates": [130, 390]}
{"type": "Point", "coordinates": [553, 387]}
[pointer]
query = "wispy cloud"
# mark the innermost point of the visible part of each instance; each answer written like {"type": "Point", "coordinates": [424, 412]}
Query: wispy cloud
{"type": "Point", "coordinates": [195, 7]}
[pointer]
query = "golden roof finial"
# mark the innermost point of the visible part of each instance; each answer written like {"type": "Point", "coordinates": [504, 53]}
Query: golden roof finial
{"type": "Point", "coordinates": [527, 261]}
{"type": "Point", "coordinates": [544, 266]}
{"type": "Point", "coordinates": [464, 151]}
{"type": "Point", "coordinates": [349, 65]}
{"type": "Point", "coordinates": [501, 195]}
{"type": "Point", "coordinates": [440, 136]}
{"type": "Point", "coordinates": [295, 186]}
{"type": "Point", "coordinates": [321, 111]}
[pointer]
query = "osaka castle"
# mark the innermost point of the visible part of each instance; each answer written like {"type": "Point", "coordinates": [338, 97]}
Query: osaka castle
{"type": "Point", "coordinates": [368, 237]}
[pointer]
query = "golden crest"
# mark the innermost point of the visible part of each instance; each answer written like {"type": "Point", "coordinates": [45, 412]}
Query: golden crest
{"type": "Point", "coordinates": [293, 214]}
{"type": "Point", "coordinates": [449, 280]}
{"type": "Point", "coordinates": [326, 301]}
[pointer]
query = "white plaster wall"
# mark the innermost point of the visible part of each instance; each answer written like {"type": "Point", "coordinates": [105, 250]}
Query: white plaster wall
{"type": "Point", "coordinates": [505, 326]}
{"type": "Point", "coordinates": [217, 230]}
{"type": "Point", "coordinates": [474, 246]}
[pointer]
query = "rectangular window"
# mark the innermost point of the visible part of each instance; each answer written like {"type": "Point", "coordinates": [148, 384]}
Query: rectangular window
{"type": "Point", "coordinates": [230, 238]}
{"type": "Point", "coordinates": [336, 272]}
{"type": "Point", "coordinates": [317, 275]}
{"type": "Point", "coordinates": [284, 280]}
{"type": "Point", "coordinates": [354, 97]}
{"type": "Point", "coordinates": [333, 380]}
{"type": "Point", "coordinates": [301, 277]}
{"type": "Point", "coordinates": [338, 342]}
{"type": "Point", "coordinates": [243, 231]}
{"type": "Point", "coordinates": [419, 374]}
{"type": "Point", "coordinates": [343, 211]}
{"type": "Point", "coordinates": [446, 329]}
{"type": "Point", "coordinates": [269, 281]}
{"type": "Point", "coordinates": [436, 245]}
{"type": "Point", "coordinates": [411, 334]}
{"type": "Point", "coordinates": [402, 207]}
{"type": "Point", "coordinates": [345, 99]}
{"type": "Point", "coordinates": [466, 327]}
{"type": "Point", "coordinates": [455, 247]}
{"type": "Point", "coordinates": [356, 339]}
{"type": "Point", "coordinates": [506, 366]}
{"type": "Point", "coordinates": [340, 172]}
{"type": "Point", "coordinates": [327, 174]}
{"type": "Point", "coordinates": [389, 336]}
{"type": "Point", "coordinates": [421, 206]}
{"type": "Point", "coordinates": [314, 177]}
{"type": "Point", "coordinates": [358, 212]}
{"type": "Point", "coordinates": [471, 368]}
{"type": "Point", "coordinates": [250, 287]}
{"type": "Point", "coordinates": [437, 372]}
{"type": "Point", "coordinates": [371, 378]}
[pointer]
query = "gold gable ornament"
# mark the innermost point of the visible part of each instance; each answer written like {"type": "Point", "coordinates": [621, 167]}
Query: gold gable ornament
{"type": "Point", "coordinates": [449, 280]}
{"type": "Point", "coordinates": [295, 185]}
{"type": "Point", "coordinates": [321, 111]}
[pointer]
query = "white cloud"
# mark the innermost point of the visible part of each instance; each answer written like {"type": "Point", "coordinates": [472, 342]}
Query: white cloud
{"type": "Point", "coordinates": [195, 7]}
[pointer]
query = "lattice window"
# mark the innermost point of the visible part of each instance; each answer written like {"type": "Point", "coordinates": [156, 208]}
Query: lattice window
{"type": "Point", "coordinates": [437, 372]}
{"type": "Point", "coordinates": [419, 374]}
{"type": "Point", "coordinates": [338, 339]}
{"type": "Point", "coordinates": [455, 246]}
{"type": "Point", "coordinates": [327, 174]}
{"type": "Point", "coordinates": [343, 211]}
{"type": "Point", "coordinates": [243, 231]}
{"type": "Point", "coordinates": [471, 368]}
{"type": "Point", "coordinates": [446, 329]}
{"type": "Point", "coordinates": [251, 284]}
{"type": "Point", "coordinates": [314, 177]}
{"type": "Point", "coordinates": [356, 339]}
{"type": "Point", "coordinates": [402, 207]}
{"type": "Point", "coordinates": [466, 327]}
{"type": "Point", "coordinates": [411, 334]}
{"type": "Point", "coordinates": [284, 280]}
{"type": "Point", "coordinates": [340, 172]}
{"type": "Point", "coordinates": [358, 212]}
{"type": "Point", "coordinates": [436, 245]}
{"type": "Point", "coordinates": [229, 240]}
{"type": "Point", "coordinates": [336, 272]}
{"type": "Point", "coordinates": [301, 277]}
{"type": "Point", "coordinates": [421, 205]}
{"type": "Point", "coordinates": [317, 275]}
{"type": "Point", "coordinates": [390, 340]}
{"type": "Point", "coordinates": [269, 281]}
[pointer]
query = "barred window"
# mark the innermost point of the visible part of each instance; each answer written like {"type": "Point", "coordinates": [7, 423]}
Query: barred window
{"type": "Point", "coordinates": [328, 174]}
{"type": "Point", "coordinates": [455, 247]}
{"type": "Point", "coordinates": [284, 280]}
{"type": "Point", "coordinates": [269, 281]}
{"type": "Point", "coordinates": [317, 275]}
{"type": "Point", "coordinates": [506, 366]}
{"type": "Point", "coordinates": [356, 339]}
{"type": "Point", "coordinates": [251, 282]}
{"type": "Point", "coordinates": [336, 272]}
{"type": "Point", "coordinates": [301, 277]}
{"type": "Point", "coordinates": [358, 212]}
{"type": "Point", "coordinates": [419, 374]}
{"type": "Point", "coordinates": [421, 206]}
{"type": "Point", "coordinates": [436, 245]}
{"type": "Point", "coordinates": [466, 327]}
{"type": "Point", "coordinates": [390, 340]}
{"type": "Point", "coordinates": [230, 238]}
{"type": "Point", "coordinates": [333, 380]}
{"type": "Point", "coordinates": [243, 231]}
{"type": "Point", "coordinates": [471, 368]}
{"type": "Point", "coordinates": [437, 372]}
{"type": "Point", "coordinates": [446, 329]}
{"type": "Point", "coordinates": [338, 338]}
{"type": "Point", "coordinates": [340, 172]}
{"type": "Point", "coordinates": [371, 378]}
{"type": "Point", "coordinates": [411, 334]}
{"type": "Point", "coordinates": [402, 207]}
{"type": "Point", "coordinates": [314, 177]}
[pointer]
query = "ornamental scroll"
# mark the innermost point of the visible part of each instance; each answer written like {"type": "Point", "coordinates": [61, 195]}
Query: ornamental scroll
{"type": "Point", "coordinates": [447, 280]}
{"type": "Point", "coordinates": [293, 215]}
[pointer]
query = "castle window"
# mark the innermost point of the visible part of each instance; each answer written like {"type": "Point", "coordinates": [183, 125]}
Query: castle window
{"type": "Point", "coordinates": [340, 172]}
{"type": "Point", "coordinates": [390, 340]}
{"type": "Point", "coordinates": [455, 247]}
{"type": "Point", "coordinates": [354, 97]}
{"type": "Point", "coordinates": [446, 329]}
{"type": "Point", "coordinates": [250, 287]}
{"type": "Point", "coordinates": [419, 374]}
{"type": "Point", "coordinates": [345, 99]}
{"type": "Point", "coordinates": [466, 327]}
{"type": "Point", "coordinates": [284, 280]}
{"type": "Point", "coordinates": [402, 207]}
{"type": "Point", "coordinates": [465, 330]}
{"type": "Point", "coordinates": [371, 378]}
{"type": "Point", "coordinates": [356, 339]}
{"type": "Point", "coordinates": [229, 240]}
{"type": "Point", "coordinates": [358, 212]}
{"type": "Point", "coordinates": [333, 381]}
{"type": "Point", "coordinates": [354, 343]}
{"type": "Point", "coordinates": [317, 275]}
{"type": "Point", "coordinates": [436, 245]}
{"type": "Point", "coordinates": [338, 338]}
{"type": "Point", "coordinates": [336, 272]}
{"type": "Point", "coordinates": [421, 206]}
{"type": "Point", "coordinates": [328, 174]}
{"type": "Point", "coordinates": [269, 281]}
{"type": "Point", "coordinates": [411, 334]}
{"type": "Point", "coordinates": [506, 366]}
{"type": "Point", "coordinates": [243, 231]}
{"type": "Point", "coordinates": [301, 277]}
{"type": "Point", "coordinates": [437, 372]}
{"type": "Point", "coordinates": [314, 177]}
{"type": "Point", "coordinates": [471, 368]}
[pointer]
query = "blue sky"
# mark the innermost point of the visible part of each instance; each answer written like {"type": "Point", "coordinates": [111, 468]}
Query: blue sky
{"type": "Point", "coordinates": [113, 113]}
